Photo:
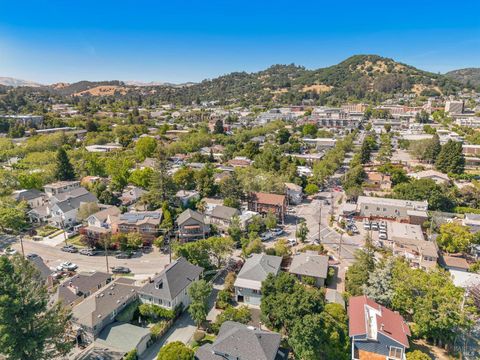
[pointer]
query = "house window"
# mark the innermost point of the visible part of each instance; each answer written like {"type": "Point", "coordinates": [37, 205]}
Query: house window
{"type": "Point", "coordinates": [395, 353]}
{"type": "Point", "coordinates": [256, 291]}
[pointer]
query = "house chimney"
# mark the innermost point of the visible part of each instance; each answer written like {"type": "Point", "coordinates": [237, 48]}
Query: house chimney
{"type": "Point", "coordinates": [382, 326]}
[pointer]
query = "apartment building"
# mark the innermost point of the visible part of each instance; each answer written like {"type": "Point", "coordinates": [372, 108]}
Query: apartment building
{"type": "Point", "coordinates": [414, 212]}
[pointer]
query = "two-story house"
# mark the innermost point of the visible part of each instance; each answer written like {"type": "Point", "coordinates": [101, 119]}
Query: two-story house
{"type": "Point", "coordinates": [94, 313]}
{"type": "Point", "coordinates": [375, 331]}
{"type": "Point", "coordinates": [192, 225]}
{"type": "Point", "coordinates": [248, 284]}
{"type": "Point", "coordinates": [64, 207]}
{"type": "Point", "coordinates": [146, 223]}
{"type": "Point", "coordinates": [310, 265]}
{"type": "Point", "coordinates": [221, 216]}
{"type": "Point", "coordinates": [170, 288]}
{"type": "Point", "coordinates": [99, 224]}
{"type": "Point", "coordinates": [60, 187]}
{"type": "Point", "coordinates": [33, 197]}
{"type": "Point", "coordinates": [264, 203]}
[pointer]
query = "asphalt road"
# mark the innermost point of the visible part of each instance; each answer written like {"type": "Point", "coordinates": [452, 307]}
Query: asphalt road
{"type": "Point", "coordinates": [143, 265]}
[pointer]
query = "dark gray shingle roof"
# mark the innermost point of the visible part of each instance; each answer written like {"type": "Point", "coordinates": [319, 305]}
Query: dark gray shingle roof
{"type": "Point", "coordinates": [240, 341]}
{"type": "Point", "coordinates": [172, 280]}
{"type": "Point", "coordinates": [224, 212]}
{"type": "Point", "coordinates": [187, 214]}
{"type": "Point", "coordinates": [310, 264]}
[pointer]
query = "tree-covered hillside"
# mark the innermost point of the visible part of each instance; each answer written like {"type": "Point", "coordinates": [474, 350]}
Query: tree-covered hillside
{"type": "Point", "coordinates": [368, 78]}
{"type": "Point", "coordinates": [468, 76]}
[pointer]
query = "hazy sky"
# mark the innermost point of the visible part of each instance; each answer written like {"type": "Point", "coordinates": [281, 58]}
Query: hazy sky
{"type": "Point", "coordinates": [179, 41]}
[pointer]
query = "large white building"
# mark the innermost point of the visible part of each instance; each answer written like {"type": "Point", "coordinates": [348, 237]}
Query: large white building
{"type": "Point", "coordinates": [454, 107]}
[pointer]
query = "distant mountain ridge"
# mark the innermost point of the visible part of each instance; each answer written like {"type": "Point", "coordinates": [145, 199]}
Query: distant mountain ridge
{"type": "Point", "coordinates": [469, 76]}
{"type": "Point", "coordinates": [361, 77]}
{"type": "Point", "coordinates": [9, 81]}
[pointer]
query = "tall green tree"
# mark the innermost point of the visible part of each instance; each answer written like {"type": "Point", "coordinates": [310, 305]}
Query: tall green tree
{"type": "Point", "coordinates": [176, 350]}
{"type": "Point", "coordinates": [451, 159]}
{"type": "Point", "coordinates": [455, 238]}
{"type": "Point", "coordinates": [431, 301]}
{"type": "Point", "coordinates": [358, 273]}
{"type": "Point", "coordinates": [29, 328]}
{"type": "Point", "coordinates": [205, 181]}
{"type": "Point", "coordinates": [322, 336]}
{"type": "Point", "coordinates": [285, 301]}
{"type": "Point", "coordinates": [162, 187]}
{"type": "Point", "coordinates": [64, 169]}
{"type": "Point", "coordinates": [379, 286]}
{"type": "Point", "coordinates": [199, 292]}
{"type": "Point", "coordinates": [13, 216]}
{"type": "Point", "coordinates": [433, 149]}
{"type": "Point", "coordinates": [145, 147]}
{"type": "Point", "coordinates": [218, 127]}
{"type": "Point", "coordinates": [302, 231]}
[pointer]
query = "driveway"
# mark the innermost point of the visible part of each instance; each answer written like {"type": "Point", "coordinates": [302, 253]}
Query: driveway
{"type": "Point", "coordinates": [184, 328]}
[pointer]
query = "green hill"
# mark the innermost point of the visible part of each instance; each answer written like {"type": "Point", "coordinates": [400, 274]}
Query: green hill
{"type": "Point", "coordinates": [468, 76]}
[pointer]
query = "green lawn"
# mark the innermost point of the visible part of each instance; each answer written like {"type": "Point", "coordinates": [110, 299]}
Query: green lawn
{"type": "Point", "coordinates": [76, 240]}
{"type": "Point", "coordinates": [46, 230]}
{"type": "Point", "coordinates": [208, 339]}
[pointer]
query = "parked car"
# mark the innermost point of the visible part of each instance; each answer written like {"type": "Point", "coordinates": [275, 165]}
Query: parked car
{"type": "Point", "coordinates": [382, 236]}
{"type": "Point", "coordinates": [354, 229]}
{"type": "Point", "coordinates": [292, 242]}
{"type": "Point", "coordinates": [67, 265]}
{"type": "Point", "coordinates": [366, 224]}
{"type": "Point", "coordinates": [125, 255]}
{"type": "Point", "coordinates": [88, 252]}
{"type": "Point", "coordinates": [374, 226]}
{"type": "Point", "coordinates": [120, 270]}
{"type": "Point", "coordinates": [31, 256]}
{"type": "Point", "coordinates": [266, 236]}
{"type": "Point", "coordinates": [277, 231]}
{"type": "Point", "coordinates": [57, 274]}
{"type": "Point", "coordinates": [69, 248]}
{"type": "Point", "coordinates": [9, 251]}
{"type": "Point", "coordinates": [147, 249]}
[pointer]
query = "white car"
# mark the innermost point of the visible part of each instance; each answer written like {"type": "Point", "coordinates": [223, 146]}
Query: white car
{"type": "Point", "coordinates": [292, 242]}
{"type": "Point", "coordinates": [266, 236]}
{"type": "Point", "coordinates": [277, 231]}
{"type": "Point", "coordinates": [67, 265]}
{"type": "Point", "coordinates": [366, 224]}
{"type": "Point", "coordinates": [10, 251]}
{"type": "Point", "coordinates": [382, 236]}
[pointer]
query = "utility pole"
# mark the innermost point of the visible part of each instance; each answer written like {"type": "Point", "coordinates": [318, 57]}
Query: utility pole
{"type": "Point", "coordinates": [63, 228]}
{"type": "Point", "coordinates": [340, 248]}
{"type": "Point", "coordinates": [319, 222]}
{"type": "Point", "coordinates": [21, 244]}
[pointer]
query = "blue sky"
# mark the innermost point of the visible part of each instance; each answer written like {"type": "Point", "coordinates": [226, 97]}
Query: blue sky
{"type": "Point", "coordinates": [178, 41]}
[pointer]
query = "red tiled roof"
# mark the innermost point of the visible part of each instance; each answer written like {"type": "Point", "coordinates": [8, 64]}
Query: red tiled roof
{"type": "Point", "coordinates": [394, 326]}
{"type": "Point", "coordinates": [271, 199]}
